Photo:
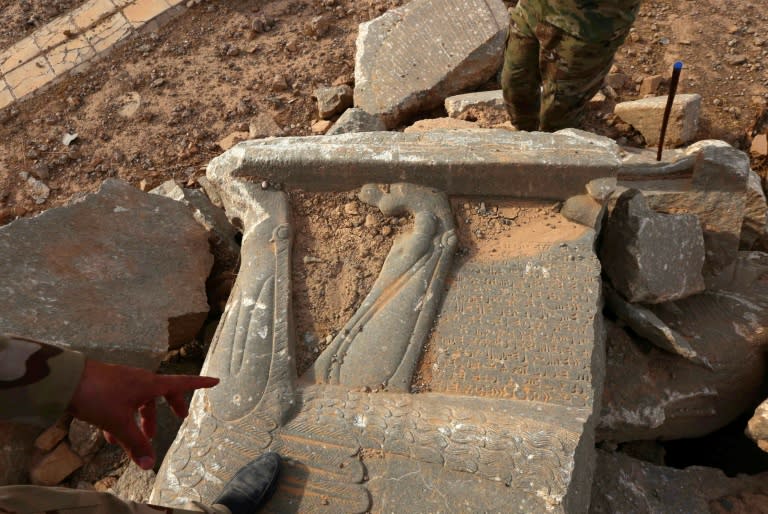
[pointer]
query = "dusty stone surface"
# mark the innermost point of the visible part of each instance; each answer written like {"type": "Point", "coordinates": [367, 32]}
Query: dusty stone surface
{"type": "Point", "coordinates": [72, 271]}
{"type": "Point", "coordinates": [458, 105]}
{"type": "Point", "coordinates": [757, 428]}
{"type": "Point", "coordinates": [585, 210]}
{"type": "Point", "coordinates": [357, 120]}
{"type": "Point", "coordinates": [333, 100]}
{"type": "Point", "coordinates": [708, 179]}
{"type": "Point", "coordinates": [17, 443]}
{"type": "Point", "coordinates": [651, 257]}
{"type": "Point", "coordinates": [135, 484]}
{"type": "Point", "coordinates": [657, 395]}
{"type": "Point", "coordinates": [624, 484]}
{"type": "Point", "coordinates": [55, 466]}
{"type": "Point", "coordinates": [399, 71]}
{"type": "Point", "coordinates": [85, 439]}
{"type": "Point", "coordinates": [646, 116]}
{"type": "Point", "coordinates": [535, 165]}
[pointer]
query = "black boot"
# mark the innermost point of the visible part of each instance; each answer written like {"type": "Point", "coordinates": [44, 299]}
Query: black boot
{"type": "Point", "coordinates": [252, 486]}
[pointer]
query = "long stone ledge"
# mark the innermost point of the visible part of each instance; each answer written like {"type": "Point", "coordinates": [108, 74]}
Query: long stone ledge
{"type": "Point", "coordinates": [460, 162]}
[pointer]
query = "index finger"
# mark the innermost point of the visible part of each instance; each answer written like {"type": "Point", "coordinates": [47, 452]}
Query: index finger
{"type": "Point", "coordinates": [176, 384]}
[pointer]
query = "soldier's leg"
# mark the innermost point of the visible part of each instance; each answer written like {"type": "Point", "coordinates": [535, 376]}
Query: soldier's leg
{"type": "Point", "coordinates": [520, 78]}
{"type": "Point", "coordinates": [572, 72]}
{"type": "Point", "coordinates": [30, 499]}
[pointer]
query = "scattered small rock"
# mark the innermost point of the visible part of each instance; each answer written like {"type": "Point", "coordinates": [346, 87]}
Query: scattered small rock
{"type": "Point", "coordinates": [333, 100]}
{"type": "Point", "coordinates": [321, 127]}
{"type": "Point", "coordinates": [357, 120]}
{"type": "Point", "coordinates": [68, 139]}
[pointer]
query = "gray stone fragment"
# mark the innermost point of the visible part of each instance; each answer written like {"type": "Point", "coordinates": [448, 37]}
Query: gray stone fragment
{"type": "Point", "coordinates": [757, 428]}
{"type": "Point", "coordinates": [585, 210]}
{"type": "Point", "coordinates": [601, 188]}
{"type": "Point", "coordinates": [646, 116]}
{"type": "Point", "coordinates": [713, 187]}
{"type": "Point", "coordinates": [221, 234]}
{"type": "Point", "coordinates": [754, 230]}
{"type": "Point", "coordinates": [411, 58]}
{"type": "Point", "coordinates": [494, 162]}
{"type": "Point", "coordinates": [647, 325]}
{"type": "Point", "coordinates": [457, 105]}
{"type": "Point", "coordinates": [119, 276]}
{"type": "Point", "coordinates": [626, 485]}
{"type": "Point", "coordinates": [357, 120]}
{"type": "Point", "coordinates": [85, 439]}
{"type": "Point", "coordinates": [652, 394]}
{"type": "Point", "coordinates": [651, 257]}
{"type": "Point", "coordinates": [38, 190]}
{"type": "Point", "coordinates": [333, 100]}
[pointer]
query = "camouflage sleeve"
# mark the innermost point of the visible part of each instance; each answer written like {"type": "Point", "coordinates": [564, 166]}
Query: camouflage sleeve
{"type": "Point", "coordinates": [37, 380]}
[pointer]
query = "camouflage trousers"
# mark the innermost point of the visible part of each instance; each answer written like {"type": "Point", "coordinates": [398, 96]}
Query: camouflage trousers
{"type": "Point", "coordinates": [549, 75]}
{"type": "Point", "coordinates": [28, 499]}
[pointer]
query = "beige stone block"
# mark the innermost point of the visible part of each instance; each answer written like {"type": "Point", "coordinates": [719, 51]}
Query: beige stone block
{"type": "Point", "coordinates": [29, 77]}
{"type": "Point", "coordinates": [18, 54]}
{"type": "Point", "coordinates": [6, 97]}
{"type": "Point", "coordinates": [55, 33]}
{"type": "Point", "coordinates": [49, 439]}
{"type": "Point", "coordinates": [70, 54]}
{"type": "Point", "coordinates": [109, 32]}
{"type": "Point", "coordinates": [55, 466]}
{"type": "Point", "coordinates": [90, 12]}
{"type": "Point", "coordinates": [141, 12]}
{"type": "Point", "coordinates": [174, 3]}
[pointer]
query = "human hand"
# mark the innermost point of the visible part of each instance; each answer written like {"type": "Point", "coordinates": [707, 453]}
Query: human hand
{"type": "Point", "coordinates": [109, 396]}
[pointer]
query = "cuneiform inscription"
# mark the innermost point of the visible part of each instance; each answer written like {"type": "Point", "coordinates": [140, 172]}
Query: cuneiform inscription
{"type": "Point", "coordinates": [521, 328]}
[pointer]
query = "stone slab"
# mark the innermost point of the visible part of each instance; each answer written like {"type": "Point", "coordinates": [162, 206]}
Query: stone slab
{"type": "Point", "coordinates": [478, 162]}
{"type": "Point", "coordinates": [348, 443]}
{"type": "Point", "coordinates": [413, 57]}
{"type": "Point", "coordinates": [627, 485]}
{"type": "Point", "coordinates": [119, 276]}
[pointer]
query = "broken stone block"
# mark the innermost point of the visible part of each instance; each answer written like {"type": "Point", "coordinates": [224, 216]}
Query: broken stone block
{"type": "Point", "coordinates": [757, 428]}
{"type": "Point", "coordinates": [653, 394]}
{"type": "Point", "coordinates": [399, 70]}
{"type": "Point", "coordinates": [709, 179]}
{"type": "Point", "coordinates": [524, 165]}
{"type": "Point", "coordinates": [321, 127]}
{"type": "Point", "coordinates": [51, 437]}
{"type": "Point", "coordinates": [458, 105]}
{"type": "Point", "coordinates": [601, 188]}
{"type": "Point", "coordinates": [17, 443]}
{"type": "Point", "coordinates": [85, 439]}
{"type": "Point", "coordinates": [651, 257]}
{"type": "Point", "coordinates": [430, 124]}
{"type": "Point", "coordinates": [221, 234]}
{"type": "Point", "coordinates": [759, 145]}
{"type": "Point", "coordinates": [55, 466]}
{"type": "Point", "coordinates": [646, 116]}
{"type": "Point", "coordinates": [650, 85]}
{"type": "Point", "coordinates": [262, 126]}
{"type": "Point", "coordinates": [119, 276]}
{"type": "Point", "coordinates": [754, 231]}
{"type": "Point", "coordinates": [648, 326]}
{"type": "Point", "coordinates": [627, 485]}
{"type": "Point", "coordinates": [232, 139]}
{"type": "Point", "coordinates": [333, 100]}
{"type": "Point", "coordinates": [357, 120]}
{"type": "Point", "coordinates": [585, 210]}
